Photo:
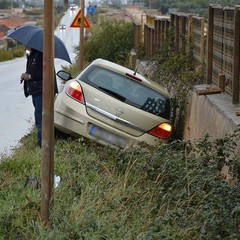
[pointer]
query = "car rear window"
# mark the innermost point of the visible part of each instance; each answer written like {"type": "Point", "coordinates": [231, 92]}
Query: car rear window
{"type": "Point", "coordinates": [127, 90]}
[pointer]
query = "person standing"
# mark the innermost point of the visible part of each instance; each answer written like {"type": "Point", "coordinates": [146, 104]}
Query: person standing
{"type": "Point", "coordinates": [33, 86]}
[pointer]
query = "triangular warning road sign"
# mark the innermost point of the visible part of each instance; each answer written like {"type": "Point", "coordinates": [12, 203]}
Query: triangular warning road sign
{"type": "Point", "coordinates": [77, 21]}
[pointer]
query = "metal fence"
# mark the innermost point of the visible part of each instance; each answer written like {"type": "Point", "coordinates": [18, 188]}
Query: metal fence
{"type": "Point", "coordinates": [215, 42]}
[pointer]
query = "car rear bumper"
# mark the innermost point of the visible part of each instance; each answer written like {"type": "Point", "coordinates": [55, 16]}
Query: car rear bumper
{"type": "Point", "coordinates": [75, 121]}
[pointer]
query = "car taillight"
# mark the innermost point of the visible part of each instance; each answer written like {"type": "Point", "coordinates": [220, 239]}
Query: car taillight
{"type": "Point", "coordinates": [133, 77]}
{"type": "Point", "coordinates": [163, 130]}
{"type": "Point", "coordinates": [74, 90]}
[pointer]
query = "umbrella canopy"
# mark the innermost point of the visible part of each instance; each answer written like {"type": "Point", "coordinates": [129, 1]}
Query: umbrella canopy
{"type": "Point", "coordinates": [32, 37]}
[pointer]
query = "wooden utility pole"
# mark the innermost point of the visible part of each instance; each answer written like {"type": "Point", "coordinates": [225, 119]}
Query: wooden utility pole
{"type": "Point", "coordinates": [47, 113]}
{"type": "Point", "coordinates": [81, 44]}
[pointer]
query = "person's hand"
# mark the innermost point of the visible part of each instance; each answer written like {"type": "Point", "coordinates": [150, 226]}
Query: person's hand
{"type": "Point", "coordinates": [26, 76]}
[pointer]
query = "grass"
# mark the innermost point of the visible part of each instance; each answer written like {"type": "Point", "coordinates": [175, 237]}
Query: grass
{"type": "Point", "coordinates": [173, 191]}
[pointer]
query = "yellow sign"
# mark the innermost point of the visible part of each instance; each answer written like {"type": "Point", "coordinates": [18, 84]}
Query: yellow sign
{"type": "Point", "coordinates": [77, 21]}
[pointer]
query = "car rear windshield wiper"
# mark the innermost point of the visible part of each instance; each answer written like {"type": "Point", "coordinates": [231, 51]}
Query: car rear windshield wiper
{"type": "Point", "coordinates": [114, 94]}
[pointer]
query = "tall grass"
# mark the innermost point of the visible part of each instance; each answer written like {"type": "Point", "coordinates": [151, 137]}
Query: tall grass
{"type": "Point", "coordinates": [173, 191]}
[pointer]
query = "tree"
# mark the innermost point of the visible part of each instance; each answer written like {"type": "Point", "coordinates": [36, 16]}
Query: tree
{"type": "Point", "coordinates": [66, 3]}
{"type": "Point", "coordinates": [4, 4]}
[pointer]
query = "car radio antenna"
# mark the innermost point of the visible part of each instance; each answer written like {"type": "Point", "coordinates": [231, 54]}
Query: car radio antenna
{"type": "Point", "coordinates": [135, 72]}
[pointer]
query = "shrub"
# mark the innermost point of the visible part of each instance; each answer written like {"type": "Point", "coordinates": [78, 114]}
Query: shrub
{"type": "Point", "coordinates": [5, 55]}
{"type": "Point", "coordinates": [111, 39]}
{"type": "Point", "coordinates": [11, 54]}
{"type": "Point", "coordinates": [18, 52]}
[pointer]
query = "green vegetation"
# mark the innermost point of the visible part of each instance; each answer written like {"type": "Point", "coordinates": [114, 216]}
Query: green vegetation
{"type": "Point", "coordinates": [111, 40]}
{"type": "Point", "coordinates": [173, 191]}
{"type": "Point", "coordinates": [5, 4]}
{"type": "Point", "coordinates": [177, 71]}
{"type": "Point", "coordinates": [12, 53]}
{"type": "Point", "coordinates": [33, 11]}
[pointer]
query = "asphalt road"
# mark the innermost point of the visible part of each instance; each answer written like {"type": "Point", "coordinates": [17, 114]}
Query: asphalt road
{"type": "Point", "coordinates": [16, 111]}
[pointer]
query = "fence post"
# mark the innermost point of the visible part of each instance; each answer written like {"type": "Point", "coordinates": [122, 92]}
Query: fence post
{"type": "Point", "coordinates": [156, 35]}
{"type": "Point", "coordinates": [172, 36]}
{"type": "Point", "coordinates": [142, 29]}
{"type": "Point", "coordinates": [190, 26]}
{"type": "Point", "coordinates": [202, 44]}
{"type": "Point", "coordinates": [236, 62]}
{"type": "Point", "coordinates": [177, 33]}
{"type": "Point", "coordinates": [183, 34]}
{"type": "Point", "coordinates": [222, 81]}
{"type": "Point", "coordinates": [146, 40]}
{"type": "Point", "coordinates": [162, 33]}
{"type": "Point", "coordinates": [210, 44]}
{"type": "Point", "coordinates": [152, 30]}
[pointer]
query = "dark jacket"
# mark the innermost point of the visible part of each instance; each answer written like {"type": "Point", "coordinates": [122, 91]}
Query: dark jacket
{"type": "Point", "coordinates": [35, 68]}
{"type": "Point", "coordinates": [34, 86]}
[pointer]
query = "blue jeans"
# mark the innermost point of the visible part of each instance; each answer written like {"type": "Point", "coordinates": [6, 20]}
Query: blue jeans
{"type": "Point", "coordinates": [37, 103]}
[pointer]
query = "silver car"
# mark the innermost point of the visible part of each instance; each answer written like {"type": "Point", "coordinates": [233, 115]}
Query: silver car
{"type": "Point", "coordinates": [113, 105]}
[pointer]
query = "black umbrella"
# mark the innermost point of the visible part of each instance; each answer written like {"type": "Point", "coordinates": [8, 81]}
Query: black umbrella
{"type": "Point", "coordinates": [32, 37]}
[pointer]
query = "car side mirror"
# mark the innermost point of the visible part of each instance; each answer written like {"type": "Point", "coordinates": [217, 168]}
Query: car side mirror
{"type": "Point", "coordinates": [64, 75]}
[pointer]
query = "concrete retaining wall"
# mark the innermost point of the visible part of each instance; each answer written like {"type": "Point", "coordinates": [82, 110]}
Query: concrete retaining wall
{"type": "Point", "coordinates": [213, 114]}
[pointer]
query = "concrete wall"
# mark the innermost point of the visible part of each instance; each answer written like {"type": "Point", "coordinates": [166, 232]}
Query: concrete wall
{"type": "Point", "coordinates": [213, 114]}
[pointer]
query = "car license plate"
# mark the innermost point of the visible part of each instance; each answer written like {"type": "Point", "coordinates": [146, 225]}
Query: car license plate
{"type": "Point", "coordinates": [106, 136]}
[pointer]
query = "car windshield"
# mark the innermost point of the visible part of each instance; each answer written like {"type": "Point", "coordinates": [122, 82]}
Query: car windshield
{"type": "Point", "coordinates": [127, 90]}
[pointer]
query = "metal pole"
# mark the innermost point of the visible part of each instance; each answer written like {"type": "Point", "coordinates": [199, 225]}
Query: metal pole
{"type": "Point", "coordinates": [81, 44]}
{"type": "Point", "coordinates": [47, 114]}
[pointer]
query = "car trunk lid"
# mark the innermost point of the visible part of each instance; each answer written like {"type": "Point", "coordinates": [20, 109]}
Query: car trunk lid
{"type": "Point", "coordinates": [117, 113]}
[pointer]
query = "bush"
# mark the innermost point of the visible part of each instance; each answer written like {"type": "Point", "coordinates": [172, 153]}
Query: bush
{"type": "Point", "coordinates": [33, 12]}
{"type": "Point", "coordinates": [18, 52]}
{"type": "Point", "coordinates": [5, 55]}
{"type": "Point", "coordinates": [111, 40]}
{"type": "Point", "coordinates": [11, 54]}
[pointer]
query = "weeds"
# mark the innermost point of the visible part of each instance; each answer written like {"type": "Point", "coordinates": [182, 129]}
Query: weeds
{"type": "Point", "coordinates": [173, 191]}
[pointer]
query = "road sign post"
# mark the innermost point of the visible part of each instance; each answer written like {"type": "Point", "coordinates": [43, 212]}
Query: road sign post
{"type": "Point", "coordinates": [81, 22]}
{"type": "Point", "coordinates": [81, 44]}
